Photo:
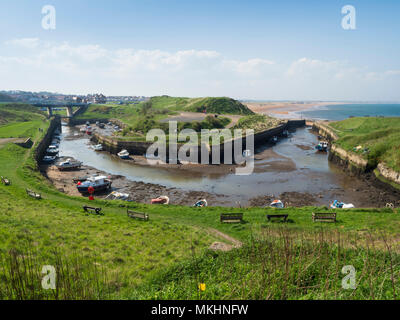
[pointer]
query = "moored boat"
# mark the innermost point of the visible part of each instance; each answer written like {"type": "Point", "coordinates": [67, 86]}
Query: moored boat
{"type": "Point", "coordinates": [89, 130]}
{"type": "Point", "coordinates": [49, 159]}
{"type": "Point", "coordinates": [160, 200]}
{"type": "Point", "coordinates": [98, 147]}
{"type": "Point", "coordinates": [201, 203]}
{"type": "Point", "coordinates": [124, 154]}
{"type": "Point", "coordinates": [322, 146]}
{"type": "Point", "coordinates": [277, 204]}
{"type": "Point", "coordinates": [52, 150]}
{"type": "Point", "coordinates": [99, 183]}
{"type": "Point", "coordinates": [69, 164]}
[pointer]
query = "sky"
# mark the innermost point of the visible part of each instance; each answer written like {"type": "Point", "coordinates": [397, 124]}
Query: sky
{"type": "Point", "coordinates": [261, 50]}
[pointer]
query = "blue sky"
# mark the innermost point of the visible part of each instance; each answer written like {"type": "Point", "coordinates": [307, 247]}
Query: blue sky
{"type": "Point", "coordinates": [244, 49]}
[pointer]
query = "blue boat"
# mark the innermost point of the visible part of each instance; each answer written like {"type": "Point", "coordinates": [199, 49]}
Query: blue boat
{"type": "Point", "coordinates": [322, 146]}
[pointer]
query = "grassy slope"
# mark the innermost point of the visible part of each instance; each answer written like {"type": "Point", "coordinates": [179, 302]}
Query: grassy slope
{"type": "Point", "coordinates": [128, 113]}
{"type": "Point", "coordinates": [380, 135]}
{"type": "Point", "coordinates": [257, 122]}
{"type": "Point", "coordinates": [154, 259]}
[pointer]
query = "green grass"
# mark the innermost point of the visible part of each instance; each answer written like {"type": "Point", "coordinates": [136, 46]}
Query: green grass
{"type": "Point", "coordinates": [281, 266]}
{"type": "Point", "coordinates": [257, 122]}
{"type": "Point", "coordinates": [381, 136]}
{"type": "Point", "coordinates": [167, 257]}
{"type": "Point", "coordinates": [164, 105]}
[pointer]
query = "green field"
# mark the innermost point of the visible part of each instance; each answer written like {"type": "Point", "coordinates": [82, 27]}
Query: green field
{"type": "Point", "coordinates": [112, 256]}
{"type": "Point", "coordinates": [379, 139]}
{"type": "Point", "coordinates": [163, 106]}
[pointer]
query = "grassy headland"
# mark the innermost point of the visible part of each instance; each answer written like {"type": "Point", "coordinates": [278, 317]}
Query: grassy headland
{"type": "Point", "coordinates": [379, 139]}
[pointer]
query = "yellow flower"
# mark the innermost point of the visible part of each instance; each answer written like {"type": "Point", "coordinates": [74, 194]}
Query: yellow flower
{"type": "Point", "coordinates": [202, 286]}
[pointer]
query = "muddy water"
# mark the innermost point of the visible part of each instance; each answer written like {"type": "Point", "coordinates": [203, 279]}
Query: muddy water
{"type": "Point", "coordinates": [292, 165]}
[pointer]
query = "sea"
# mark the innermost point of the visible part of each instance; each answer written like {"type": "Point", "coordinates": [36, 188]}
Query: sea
{"type": "Point", "coordinates": [344, 111]}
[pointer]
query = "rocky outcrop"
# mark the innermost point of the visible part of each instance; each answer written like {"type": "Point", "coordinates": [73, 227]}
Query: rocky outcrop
{"type": "Point", "coordinates": [389, 173]}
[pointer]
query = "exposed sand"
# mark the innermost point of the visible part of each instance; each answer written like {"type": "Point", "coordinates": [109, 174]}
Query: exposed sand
{"type": "Point", "coordinates": [285, 108]}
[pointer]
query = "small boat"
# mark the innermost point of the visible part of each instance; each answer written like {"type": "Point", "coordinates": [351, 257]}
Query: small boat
{"type": "Point", "coordinates": [52, 150]}
{"type": "Point", "coordinates": [49, 159]}
{"type": "Point", "coordinates": [277, 204]}
{"type": "Point", "coordinates": [160, 200]}
{"type": "Point", "coordinates": [118, 196]}
{"type": "Point", "coordinates": [340, 205]}
{"type": "Point", "coordinates": [101, 125]}
{"type": "Point", "coordinates": [99, 183]}
{"type": "Point", "coordinates": [69, 164]}
{"type": "Point", "coordinates": [89, 130]}
{"type": "Point", "coordinates": [98, 147]}
{"type": "Point", "coordinates": [201, 203]}
{"type": "Point", "coordinates": [124, 154]}
{"type": "Point", "coordinates": [322, 146]}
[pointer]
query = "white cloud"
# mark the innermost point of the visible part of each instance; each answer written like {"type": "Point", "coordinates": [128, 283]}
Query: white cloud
{"type": "Point", "coordinates": [24, 42]}
{"type": "Point", "coordinates": [64, 67]}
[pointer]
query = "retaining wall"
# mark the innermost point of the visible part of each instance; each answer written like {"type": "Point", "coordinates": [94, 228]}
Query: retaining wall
{"type": "Point", "coordinates": [114, 146]}
{"type": "Point", "coordinates": [40, 151]}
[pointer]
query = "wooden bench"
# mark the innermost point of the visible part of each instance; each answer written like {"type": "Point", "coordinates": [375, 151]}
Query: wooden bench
{"type": "Point", "coordinates": [5, 181]}
{"type": "Point", "coordinates": [283, 217]}
{"type": "Point", "coordinates": [324, 216]}
{"type": "Point", "coordinates": [137, 215]}
{"type": "Point", "coordinates": [93, 210]}
{"type": "Point", "coordinates": [231, 217]}
{"type": "Point", "coordinates": [33, 194]}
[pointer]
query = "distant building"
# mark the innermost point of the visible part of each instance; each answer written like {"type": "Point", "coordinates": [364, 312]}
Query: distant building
{"type": "Point", "coordinates": [77, 99]}
{"type": "Point", "coordinates": [97, 98]}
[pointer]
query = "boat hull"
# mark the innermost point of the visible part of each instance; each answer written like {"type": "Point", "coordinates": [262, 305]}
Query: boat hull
{"type": "Point", "coordinates": [84, 189]}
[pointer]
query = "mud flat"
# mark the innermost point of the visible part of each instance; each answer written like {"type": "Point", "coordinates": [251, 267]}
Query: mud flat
{"type": "Point", "coordinates": [138, 191]}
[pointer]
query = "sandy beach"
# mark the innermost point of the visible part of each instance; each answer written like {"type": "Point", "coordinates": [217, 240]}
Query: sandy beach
{"type": "Point", "coordinates": [285, 108]}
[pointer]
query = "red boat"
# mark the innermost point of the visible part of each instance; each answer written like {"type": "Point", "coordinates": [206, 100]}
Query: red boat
{"type": "Point", "coordinates": [160, 200]}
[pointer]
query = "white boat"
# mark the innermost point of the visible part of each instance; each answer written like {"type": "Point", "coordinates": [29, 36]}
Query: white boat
{"type": "Point", "coordinates": [98, 147]}
{"type": "Point", "coordinates": [52, 150]}
{"type": "Point", "coordinates": [277, 204]}
{"type": "Point", "coordinates": [124, 154]}
{"type": "Point", "coordinates": [69, 164]}
{"type": "Point", "coordinates": [118, 196]}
